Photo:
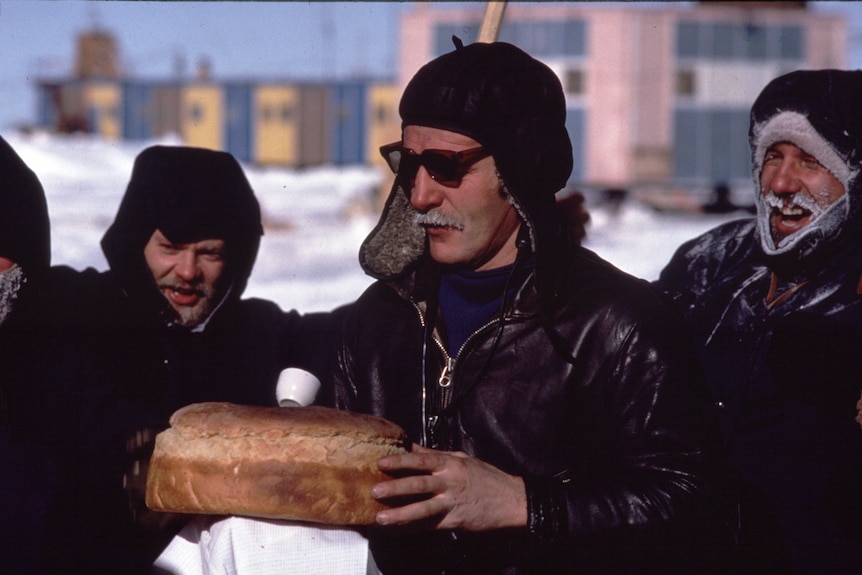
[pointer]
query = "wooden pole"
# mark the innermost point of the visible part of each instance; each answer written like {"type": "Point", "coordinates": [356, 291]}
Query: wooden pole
{"type": "Point", "coordinates": [490, 30]}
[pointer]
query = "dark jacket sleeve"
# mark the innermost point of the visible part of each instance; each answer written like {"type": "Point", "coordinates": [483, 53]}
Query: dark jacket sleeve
{"type": "Point", "coordinates": [650, 482]}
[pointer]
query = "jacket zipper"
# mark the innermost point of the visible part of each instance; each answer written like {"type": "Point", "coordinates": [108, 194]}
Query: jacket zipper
{"type": "Point", "coordinates": [448, 373]}
{"type": "Point", "coordinates": [445, 380]}
{"type": "Point", "coordinates": [446, 376]}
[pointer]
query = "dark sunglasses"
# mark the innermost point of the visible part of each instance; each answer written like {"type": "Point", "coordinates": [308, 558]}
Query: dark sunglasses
{"type": "Point", "coordinates": [444, 166]}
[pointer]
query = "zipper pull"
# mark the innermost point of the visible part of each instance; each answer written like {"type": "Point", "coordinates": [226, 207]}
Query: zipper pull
{"type": "Point", "coordinates": [446, 376]}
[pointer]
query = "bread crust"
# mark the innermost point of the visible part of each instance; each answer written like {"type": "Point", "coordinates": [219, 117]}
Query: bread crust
{"type": "Point", "coordinates": [310, 464]}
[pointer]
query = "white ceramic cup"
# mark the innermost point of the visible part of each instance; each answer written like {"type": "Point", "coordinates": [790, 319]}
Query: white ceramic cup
{"type": "Point", "coordinates": [296, 387]}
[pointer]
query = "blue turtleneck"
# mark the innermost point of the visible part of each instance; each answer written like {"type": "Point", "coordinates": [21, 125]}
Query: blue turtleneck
{"type": "Point", "coordinates": [469, 300]}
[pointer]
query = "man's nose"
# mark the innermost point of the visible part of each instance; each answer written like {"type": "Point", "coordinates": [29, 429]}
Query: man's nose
{"type": "Point", "coordinates": [186, 266]}
{"type": "Point", "coordinates": [426, 192]}
{"type": "Point", "coordinates": [785, 180]}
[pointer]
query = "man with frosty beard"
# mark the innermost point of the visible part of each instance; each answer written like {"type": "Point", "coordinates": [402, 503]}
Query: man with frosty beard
{"type": "Point", "coordinates": [775, 304]}
{"type": "Point", "coordinates": [26, 482]}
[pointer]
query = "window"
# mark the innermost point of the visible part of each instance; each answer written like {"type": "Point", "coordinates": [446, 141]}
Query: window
{"type": "Point", "coordinates": [685, 83]}
{"type": "Point", "coordinates": [791, 42]}
{"type": "Point", "coordinates": [196, 112]}
{"type": "Point", "coordinates": [756, 42]}
{"type": "Point", "coordinates": [266, 114]}
{"type": "Point", "coordinates": [540, 38]}
{"type": "Point", "coordinates": [576, 125]}
{"type": "Point", "coordinates": [711, 144]}
{"type": "Point", "coordinates": [381, 114]}
{"type": "Point", "coordinates": [731, 41]}
{"type": "Point", "coordinates": [574, 82]}
{"type": "Point", "coordinates": [547, 38]}
{"type": "Point", "coordinates": [687, 37]}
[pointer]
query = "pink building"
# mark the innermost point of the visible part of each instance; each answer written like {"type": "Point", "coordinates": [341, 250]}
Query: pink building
{"type": "Point", "coordinates": [657, 96]}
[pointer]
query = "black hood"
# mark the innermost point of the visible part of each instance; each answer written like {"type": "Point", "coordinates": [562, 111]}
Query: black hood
{"type": "Point", "coordinates": [515, 107]}
{"type": "Point", "coordinates": [819, 112]}
{"type": "Point", "coordinates": [25, 233]}
{"type": "Point", "coordinates": [190, 194]}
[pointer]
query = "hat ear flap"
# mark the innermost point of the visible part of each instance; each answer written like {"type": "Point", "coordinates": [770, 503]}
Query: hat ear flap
{"type": "Point", "coordinates": [540, 165]}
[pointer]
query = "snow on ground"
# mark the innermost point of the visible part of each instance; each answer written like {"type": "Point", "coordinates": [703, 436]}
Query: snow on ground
{"type": "Point", "coordinates": [641, 240]}
{"type": "Point", "coordinates": [314, 219]}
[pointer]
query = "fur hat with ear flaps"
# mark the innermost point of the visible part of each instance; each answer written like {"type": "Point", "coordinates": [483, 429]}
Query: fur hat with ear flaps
{"type": "Point", "coordinates": [819, 112]}
{"type": "Point", "coordinates": [511, 104]}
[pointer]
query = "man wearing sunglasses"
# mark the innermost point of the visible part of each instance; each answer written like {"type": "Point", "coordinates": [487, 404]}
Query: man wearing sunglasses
{"type": "Point", "coordinates": [559, 425]}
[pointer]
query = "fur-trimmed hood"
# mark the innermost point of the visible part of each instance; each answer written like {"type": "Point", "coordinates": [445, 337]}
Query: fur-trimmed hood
{"type": "Point", "coordinates": [818, 111]}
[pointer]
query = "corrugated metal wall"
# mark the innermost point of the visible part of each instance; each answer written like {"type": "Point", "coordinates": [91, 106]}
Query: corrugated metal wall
{"type": "Point", "coordinates": [239, 121]}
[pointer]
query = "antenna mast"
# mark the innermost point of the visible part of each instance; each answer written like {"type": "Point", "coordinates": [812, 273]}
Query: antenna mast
{"type": "Point", "coordinates": [490, 30]}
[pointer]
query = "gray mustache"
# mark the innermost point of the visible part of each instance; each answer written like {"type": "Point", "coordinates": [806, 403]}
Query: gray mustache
{"type": "Point", "coordinates": [438, 219]}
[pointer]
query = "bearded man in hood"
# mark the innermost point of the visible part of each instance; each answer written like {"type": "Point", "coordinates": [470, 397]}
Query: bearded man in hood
{"type": "Point", "coordinates": [774, 304]}
{"type": "Point", "coordinates": [557, 419]}
{"type": "Point", "coordinates": [164, 327]}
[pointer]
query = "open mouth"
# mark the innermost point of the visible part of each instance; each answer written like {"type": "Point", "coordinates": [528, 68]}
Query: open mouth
{"type": "Point", "coordinates": [182, 296]}
{"type": "Point", "coordinates": [791, 213]}
{"type": "Point", "coordinates": [788, 219]}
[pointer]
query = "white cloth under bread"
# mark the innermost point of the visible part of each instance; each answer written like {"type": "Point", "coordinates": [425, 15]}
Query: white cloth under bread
{"type": "Point", "coordinates": [244, 546]}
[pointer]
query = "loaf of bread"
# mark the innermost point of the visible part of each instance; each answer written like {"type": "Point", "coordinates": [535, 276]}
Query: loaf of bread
{"type": "Point", "coordinates": [308, 463]}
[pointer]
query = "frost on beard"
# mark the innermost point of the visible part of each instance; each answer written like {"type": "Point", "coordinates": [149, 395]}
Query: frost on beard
{"type": "Point", "coordinates": [11, 281]}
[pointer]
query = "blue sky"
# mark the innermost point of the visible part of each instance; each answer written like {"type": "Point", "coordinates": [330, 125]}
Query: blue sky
{"type": "Point", "coordinates": [240, 39]}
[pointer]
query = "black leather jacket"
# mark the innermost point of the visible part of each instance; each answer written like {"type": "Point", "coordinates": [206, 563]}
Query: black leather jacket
{"type": "Point", "coordinates": [610, 437]}
{"type": "Point", "coordinates": [781, 352]}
